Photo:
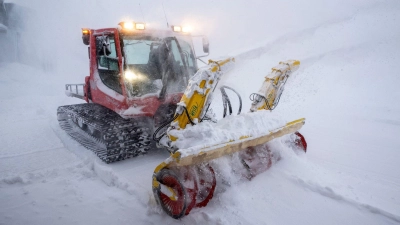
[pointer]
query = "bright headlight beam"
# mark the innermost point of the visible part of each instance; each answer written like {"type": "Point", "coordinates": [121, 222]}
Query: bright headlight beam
{"type": "Point", "coordinates": [130, 76]}
{"type": "Point", "coordinates": [139, 26]}
{"type": "Point", "coordinates": [128, 25]}
{"type": "Point", "coordinates": [176, 28]}
{"type": "Point", "coordinates": [186, 29]}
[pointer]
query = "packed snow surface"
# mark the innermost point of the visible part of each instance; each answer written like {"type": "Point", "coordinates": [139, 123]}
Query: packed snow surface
{"type": "Point", "coordinates": [347, 88]}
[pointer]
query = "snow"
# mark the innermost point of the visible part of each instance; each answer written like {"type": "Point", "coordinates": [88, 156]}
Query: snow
{"type": "Point", "coordinates": [346, 87]}
{"type": "Point", "coordinates": [231, 128]}
{"type": "Point", "coordinates": [131, 111]}
{"type": "Point", "coordinates": [3, 28]}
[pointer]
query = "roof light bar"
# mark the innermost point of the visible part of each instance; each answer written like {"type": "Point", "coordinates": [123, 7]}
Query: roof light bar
{"type": "Point", "coordinates": [131, 26]}
{"type": "Point", "coordinates": [139, 26]}
{"type": "Point", "coordinates": [128, 25]}
{"type": "Point", "coordinates": [186, 29]}
{"type": "Point", "coordinates": [176, 28]}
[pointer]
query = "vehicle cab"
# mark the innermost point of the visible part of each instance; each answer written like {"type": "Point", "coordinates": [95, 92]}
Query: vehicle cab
{"type": "Point", "coordinates": [135, 71]}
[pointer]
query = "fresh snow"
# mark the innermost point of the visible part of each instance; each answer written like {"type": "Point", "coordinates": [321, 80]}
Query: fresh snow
{"type": "Point", "coordinates": [3, 28]}
{"type": "Point", "coordinates": [347, 88]}
{"type": "Point", "coordinates": [230, 128]}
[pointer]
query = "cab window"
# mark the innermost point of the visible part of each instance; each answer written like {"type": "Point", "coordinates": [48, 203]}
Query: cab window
{"type": "Point", "coordinates": [107, 62]}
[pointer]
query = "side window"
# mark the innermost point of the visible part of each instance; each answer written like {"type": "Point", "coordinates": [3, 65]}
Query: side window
{"type": "Point", "coordinates": [107, 62]}
{"type": "Point", "coordinates": [187, 51]}
{"type": "Point", "coordinates": [175, 52]}
{"type": "Point", "coordinates": [106, 52]}
{"type": "Point", "coordinates": [188, 55]}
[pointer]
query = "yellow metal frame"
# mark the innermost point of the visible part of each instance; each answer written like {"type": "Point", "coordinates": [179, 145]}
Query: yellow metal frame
{"type": "Point", "coordinates": [195, 97]}
{"type": "Point", "coordinates": [272, 83]}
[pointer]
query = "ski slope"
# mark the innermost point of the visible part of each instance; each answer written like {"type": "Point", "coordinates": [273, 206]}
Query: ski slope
{"type": "Point", "coordinates": [346, 88]}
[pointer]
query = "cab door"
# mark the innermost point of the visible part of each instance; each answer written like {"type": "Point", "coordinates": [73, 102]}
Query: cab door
{"type": "Point", "coordinates": [106, 70]}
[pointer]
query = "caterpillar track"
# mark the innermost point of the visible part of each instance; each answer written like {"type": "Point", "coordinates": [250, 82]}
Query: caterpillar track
{"type": "Point", "coordinates": [103, 131]}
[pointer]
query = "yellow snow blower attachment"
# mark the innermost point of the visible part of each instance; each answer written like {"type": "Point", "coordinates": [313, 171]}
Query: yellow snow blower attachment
{"type": "Point", "coordinates": [186, 179]}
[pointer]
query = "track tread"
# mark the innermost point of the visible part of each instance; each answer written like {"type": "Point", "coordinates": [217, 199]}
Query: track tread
{"type": "Point", "coordinates": [103, 131]}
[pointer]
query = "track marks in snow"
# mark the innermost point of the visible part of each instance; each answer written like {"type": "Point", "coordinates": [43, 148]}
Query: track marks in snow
{"type": "Point", "coordinates": [29, 163]}
{"type": "Point", "coordinates": [364, 191]}
{"type": "Point", "coordinates": [65, 191]}
{"type": "Point", "coordinates": [328, 192]}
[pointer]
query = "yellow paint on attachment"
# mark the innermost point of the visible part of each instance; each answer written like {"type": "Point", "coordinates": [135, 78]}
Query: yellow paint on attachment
{"type": "Point", "coordinates": [195, 103]}
{"type": "Point", "coordinates": [156, 184]}
{"type": "Point", "coordinates": [270, 98]}
{"type": "Point", "coordinates": [160, 167]}
{"type": "Point", "coordinates": [202, 84]}
{"type": "Point", "coordinates": [296, 121]}
{"type": "Point", "coordinates": [277, 80]}
{"type": "Point", "coordinates": [220, 63]}
{"type": "Point", "coordinates": [272, 83]}
{"type": "Point", "coordinates": [176, 156]}
{"type": "Point", "coordinates": [296, 63]}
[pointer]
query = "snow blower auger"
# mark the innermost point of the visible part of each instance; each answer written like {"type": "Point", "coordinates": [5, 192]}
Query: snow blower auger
{"type": "Point", "coordinates": [186, 179]}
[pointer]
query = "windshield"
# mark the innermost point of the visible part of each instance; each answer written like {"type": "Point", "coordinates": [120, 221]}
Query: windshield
{"type": "Point", "coordinates": [154, 65]}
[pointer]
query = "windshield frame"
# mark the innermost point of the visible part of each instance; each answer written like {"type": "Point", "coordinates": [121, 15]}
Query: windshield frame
{"type": "Point", "coordinates": [187, 57]}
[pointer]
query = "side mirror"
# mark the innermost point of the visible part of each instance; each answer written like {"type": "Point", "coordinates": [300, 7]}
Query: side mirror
{"type": "Point", "coordinates": [201, 46]}
{"type": "Point", "coordinates": [206, 45]}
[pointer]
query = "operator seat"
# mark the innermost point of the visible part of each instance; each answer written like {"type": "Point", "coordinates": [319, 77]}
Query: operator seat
{"type": "Point", "coordinates": [154, 63]}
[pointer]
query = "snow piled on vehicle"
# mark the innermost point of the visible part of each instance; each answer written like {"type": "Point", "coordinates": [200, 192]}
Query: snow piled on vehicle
{"type": "Point", "coordinates": [228, 129]}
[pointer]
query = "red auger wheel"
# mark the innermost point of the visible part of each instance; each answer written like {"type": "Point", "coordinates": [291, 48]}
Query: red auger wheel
{"type": "Point", "coordinates": [206, 186]}
{"type": "Point", "coordinates": [183, 188]}
{"type": "Point", "coordinates": [300, 141]}
{"type": "Point", "coordinates": [189, 180]}
{"type": "Point", "coordinates": [177, 191]}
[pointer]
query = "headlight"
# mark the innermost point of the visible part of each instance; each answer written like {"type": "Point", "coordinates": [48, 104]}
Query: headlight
{"type": "Point", "coordinates": [139, 26]}
{"type": "Point", "coordinates": [128, 25]}
{"type": "Point", "coordinates": [132, 26]}
{"type": "Point", "coordinates": [131, 76]}
{"type": "Point", "coordinates": [177, 28]}
{"type": "Point", "coordinates": [186, 29]}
